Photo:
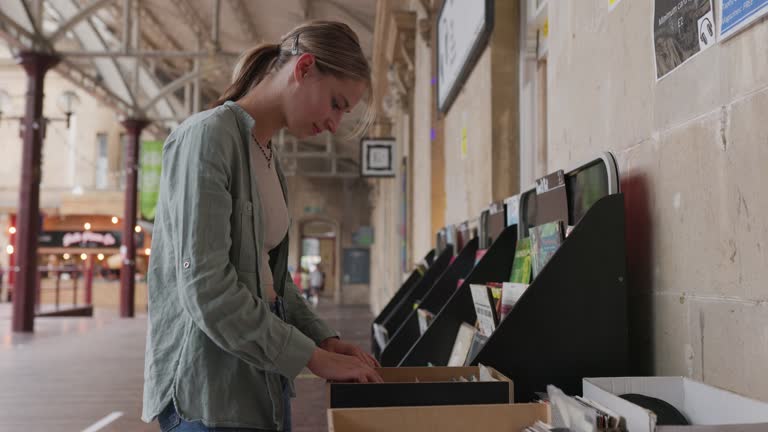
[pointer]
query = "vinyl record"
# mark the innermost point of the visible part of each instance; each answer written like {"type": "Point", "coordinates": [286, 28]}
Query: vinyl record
{"type": "Point", "coordinates": [666, 414]}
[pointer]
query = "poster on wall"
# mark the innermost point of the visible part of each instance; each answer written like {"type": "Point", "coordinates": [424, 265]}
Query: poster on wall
{"type": "Point", "coordinates": [356, 266]}
{"type": "Point", "coordinates": [739, 14]}
{"type": "Point", "coordinates": [151, 163]}
{"type": "Point", "coordinates": [681, 30]}
{"type": "Point", "coordinates": [463, 30]}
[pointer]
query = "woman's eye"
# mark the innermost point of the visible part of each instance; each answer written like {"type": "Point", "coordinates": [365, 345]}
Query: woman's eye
{"type": "Point", "coordinates": [335, 104]}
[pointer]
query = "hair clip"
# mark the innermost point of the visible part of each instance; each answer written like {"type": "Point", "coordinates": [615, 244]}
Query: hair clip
{"type": "Point", "coordinates": [295, 47]}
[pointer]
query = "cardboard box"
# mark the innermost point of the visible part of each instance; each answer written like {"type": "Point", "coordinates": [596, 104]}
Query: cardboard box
{"type": "Point", "coordinates": [707, 408]}
{"type": "Point", "coordinates": [422, 386]}
{"type": "Point", "coordinates": [462, 418]}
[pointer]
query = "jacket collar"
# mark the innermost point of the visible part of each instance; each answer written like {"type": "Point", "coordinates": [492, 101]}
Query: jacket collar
{"type": "Point", "coordinates": [247, 123]}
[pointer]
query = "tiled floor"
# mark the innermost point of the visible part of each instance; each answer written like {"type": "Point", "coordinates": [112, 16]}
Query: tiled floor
{"type": "Point", "coordinates": [73, 372]}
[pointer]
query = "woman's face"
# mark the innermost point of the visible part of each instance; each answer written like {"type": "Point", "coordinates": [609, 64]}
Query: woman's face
{"type": "Point", "coordinates": [317, 101]}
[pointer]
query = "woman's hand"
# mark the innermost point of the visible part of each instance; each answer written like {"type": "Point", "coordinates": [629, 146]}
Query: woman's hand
{"type": "Point", "coordinates": [340, 367]}
{"type": "Point", "coordinates": [338, 346]}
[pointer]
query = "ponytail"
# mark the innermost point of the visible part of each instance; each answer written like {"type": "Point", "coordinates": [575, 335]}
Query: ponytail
{"type": "Point", "coordinates": [252, 67]}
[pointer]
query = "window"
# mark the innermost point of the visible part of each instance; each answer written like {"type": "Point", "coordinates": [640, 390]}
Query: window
{"type": "Point", "coordinates": [120, 171]}
{"type": "Point", "coordinates": [102, 161]}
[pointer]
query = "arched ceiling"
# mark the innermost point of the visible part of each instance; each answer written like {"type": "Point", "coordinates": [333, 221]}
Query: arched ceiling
{"type": "Point", "coordinates": [176, 56]}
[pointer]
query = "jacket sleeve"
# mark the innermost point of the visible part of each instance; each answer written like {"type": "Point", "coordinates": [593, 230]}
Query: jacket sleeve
{"type": "Point", "coordinates": [197, 174]}
{"type": "Point", "coordinates": [301, 315]}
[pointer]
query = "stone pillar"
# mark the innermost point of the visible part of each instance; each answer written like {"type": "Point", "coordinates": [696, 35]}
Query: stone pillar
{"type": "Point", "coordinates": [36, 64]}
{"type": "Point", "coordinates": [438, 197]}
{"type": "Point", "coordinates": [505, 99]}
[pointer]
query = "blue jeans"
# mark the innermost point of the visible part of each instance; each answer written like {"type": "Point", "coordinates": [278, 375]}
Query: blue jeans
{"type": "Point", "coordinates": [170, 421]}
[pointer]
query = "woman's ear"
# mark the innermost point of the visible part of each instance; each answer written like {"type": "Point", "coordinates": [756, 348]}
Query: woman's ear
{"type": "Point", "coordinates": [304, 66]}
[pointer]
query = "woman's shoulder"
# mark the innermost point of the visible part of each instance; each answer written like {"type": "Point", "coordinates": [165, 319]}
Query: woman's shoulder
{"type": "Point", "coordinates": [211, 135]}
{"type": "Point", "coordinates": [216, 121]}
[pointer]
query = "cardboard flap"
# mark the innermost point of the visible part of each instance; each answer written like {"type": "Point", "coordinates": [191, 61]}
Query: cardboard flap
{"type": "Point", "coordinates": [707, 405]}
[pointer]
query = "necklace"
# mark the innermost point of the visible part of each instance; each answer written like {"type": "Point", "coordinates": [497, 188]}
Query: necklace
{"type": "Point", "coordinates": [269, 147]}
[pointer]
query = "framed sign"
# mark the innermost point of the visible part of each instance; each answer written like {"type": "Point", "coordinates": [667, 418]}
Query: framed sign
{"type": "Point", "coordinates": [463, 30]}
{"type": "Point", "coordinates": [377, 157]}
{"type": "Point", "coordinates": [681, 30]}
{"type": "Point", "coordinates": [738, 14]}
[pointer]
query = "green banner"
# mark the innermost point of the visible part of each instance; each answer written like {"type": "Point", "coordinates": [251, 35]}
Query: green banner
{"type": "Point", "coordinates": [149, 187]}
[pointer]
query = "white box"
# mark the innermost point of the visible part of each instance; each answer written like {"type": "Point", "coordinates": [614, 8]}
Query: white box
{"type": "Point", "coordinates": [707, 408]}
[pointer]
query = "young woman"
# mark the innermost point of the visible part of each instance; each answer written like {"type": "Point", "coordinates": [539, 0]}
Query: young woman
{"type": "Point", "coordinates": [228, 329]}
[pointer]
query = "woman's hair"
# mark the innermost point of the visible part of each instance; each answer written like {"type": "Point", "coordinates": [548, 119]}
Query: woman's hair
{"type": "Point", "coordinates": [337, 52]}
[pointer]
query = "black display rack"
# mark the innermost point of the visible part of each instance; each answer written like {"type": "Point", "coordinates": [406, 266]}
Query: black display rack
{"type": "Point", "coordinates": [431, 299]}
{"type": "Point", "coordinates": [414, 288]}
{"type": "Point", "coordinates": [570, 323]}
{"type": "Point", "coordinates": [434, 346]}
{"type": "Point", "coordinates": [399, 295]}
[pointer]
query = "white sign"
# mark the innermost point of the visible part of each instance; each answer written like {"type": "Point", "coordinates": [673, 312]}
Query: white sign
{"type": "Point", "coordinates": [462, 29]}
{"type": "Point", "coordinates": [377, 157]}
{"type": "Point", "coordinates": [738, 14]}
{"type": "Point", "coordinates": [513, 210]}
{"type": "Point", "coordinates": [483, 309]}
{"type": "Point", "coordinates": [72, 238]}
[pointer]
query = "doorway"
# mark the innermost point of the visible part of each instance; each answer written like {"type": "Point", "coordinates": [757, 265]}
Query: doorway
{"type": "Point", "coordinates": [318, 252]}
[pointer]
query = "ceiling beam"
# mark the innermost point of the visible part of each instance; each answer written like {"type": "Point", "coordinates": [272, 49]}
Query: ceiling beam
{"type": "Point", "coordinates": [145, 54]}
{"type": "Point", "coordinates": [38, 39]}
{"type": "Point", "coordinates": [190, 15]}
{"type": "Point", "coordinates": [153, 24]}
{"type": "Point", "coordinates": [14, 33]}
{"type": "Point", "coordinates": [154, 31]}
{"type": "Point", "coordinates": [127, 24]}
{"type": "Point", "coordinates": [215, 19]}
{"type": "Point", "coordinates": [244, 21]}
{"type": "Point", "coordinates": [92, 85]}
{"type": "Point", "coordinates": [179, 83]}
{"type": "Point", "coordinates": [74, 20]}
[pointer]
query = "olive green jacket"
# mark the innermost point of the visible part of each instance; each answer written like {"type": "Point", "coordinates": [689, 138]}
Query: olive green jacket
{"type": "Point", "coordinates": [213, 345]}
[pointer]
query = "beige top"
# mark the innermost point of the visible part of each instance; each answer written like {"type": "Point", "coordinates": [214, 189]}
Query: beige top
{"type": "Point", "coordinates": [274, 211]}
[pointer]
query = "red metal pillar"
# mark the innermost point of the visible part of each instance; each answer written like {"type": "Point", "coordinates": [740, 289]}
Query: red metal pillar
{"type": "Point", "coordinates": [89, 263]}
{"type": "Point", "coordinates": [78, 272]}
{"type": "Point", "coordinates": [36, 65]}
{"type": "Point", "coordinates": [58, 286]}
{"type": "Point", "coordinates": [38, 290]}
{"type": "Point", "coordinates": [128, 249]}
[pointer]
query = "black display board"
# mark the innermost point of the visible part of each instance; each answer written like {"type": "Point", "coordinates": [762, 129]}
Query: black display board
{"type": "Point", "coordinates": [407, 334]}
